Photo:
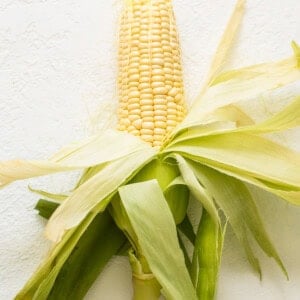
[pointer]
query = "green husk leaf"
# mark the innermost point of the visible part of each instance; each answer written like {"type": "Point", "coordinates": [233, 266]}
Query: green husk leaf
{"type": "Point", "coordinates": [147, 209]}
{"type": "Point", "coordinates": [235, 200]}
{"type": "Point", "coordinates": [105, 147]}
{"type": "Point", "coordinates": [296, 49]}
{"type": "Point", "coordinates": [89, 173]}
{"type": "Point", "coordinates": [55, 197]}
{"type": "Point", "coordinates": [96, 247]}
{"type": "Point", "coordinates": [123, 251]}
{"type": "Point", "coordinates": [187, 259]}
{"type": "Point", "coordinates": [246, 154]}
{"type": "Point", "coordinates": [187, 229]}
{"type": "Point", "coordinates": [42, 281]}
{"type": "Point", "coordinates": [46, 208]}
{"type": "Point", "coordinates": [292, 196]}
{"type": "Point", "coordinates": [177, 196]}
{"type": "Point", "coordinates": [120, 217]}
{"type": "Point", "coordinates": [73, 264]}
{"type": "Point", "coordinates": [196, 189]}
{"type": "Point", "coordinates": [164, 171]}
{"type": "Point", "coordinates": [207, 257]}
{"type": "Point", "coordinates": [95, 194]}
{"type": "Point", "coordinates": [207, 246]}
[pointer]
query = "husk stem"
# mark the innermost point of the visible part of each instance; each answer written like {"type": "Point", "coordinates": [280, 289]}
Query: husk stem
{"type": "Point", "coordinates": [145, 285]}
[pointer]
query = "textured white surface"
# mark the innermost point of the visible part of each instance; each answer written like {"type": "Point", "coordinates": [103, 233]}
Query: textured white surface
{"type": "Point", "coordinates": [57, 64]}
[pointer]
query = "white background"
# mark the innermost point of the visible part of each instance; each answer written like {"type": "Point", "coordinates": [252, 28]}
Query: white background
{"type": "Point", "coordinates": [57, 64]}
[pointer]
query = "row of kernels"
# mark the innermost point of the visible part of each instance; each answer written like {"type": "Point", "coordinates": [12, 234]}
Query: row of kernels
{"type": "Point", "coordinates": [151, 89]}
{"type": "Point", "coordinates": [145, 22]}
{"type": "Point", "coordinates": [155, 11]}
{"type": "Point", "coordinates": [147, 100]}
{"type": "Point", "coordinates": [150, 120]}
{"type": "Point", "coordinates": [158, 95]}
{"type": "Point", "coordinates": [148, 62]}
{"type": "Point", "coordinates": [143, 15]}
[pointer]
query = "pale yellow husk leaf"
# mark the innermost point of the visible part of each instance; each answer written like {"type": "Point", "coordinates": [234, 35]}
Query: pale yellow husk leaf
{"type": "Point", "coordinates": [231, 119]}
{"type": "Point", "coordinates": [240, 85]}
{"type": "Point", "coordinates": [105, 147]}
{"type": "Point", "coordinates": [226, 42]}
{"type": "Point", "coordinates": [250, 154]}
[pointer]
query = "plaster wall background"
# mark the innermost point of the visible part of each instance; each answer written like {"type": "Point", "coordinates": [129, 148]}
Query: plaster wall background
{"type": "Point", "coordinates": [57, 66]}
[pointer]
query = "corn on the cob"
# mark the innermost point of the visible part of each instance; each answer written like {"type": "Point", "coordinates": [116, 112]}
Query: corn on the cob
{"type": "Point", "coordinates": [150, 74]}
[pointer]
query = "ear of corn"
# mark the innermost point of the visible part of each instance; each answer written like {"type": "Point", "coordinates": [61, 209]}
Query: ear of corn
{"type": "Point", "coordinates": [120, 166]}
{"type": "Point", "coordinates": [151, 104]}
{"type": "Point", "coordinates": [150, 74]}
